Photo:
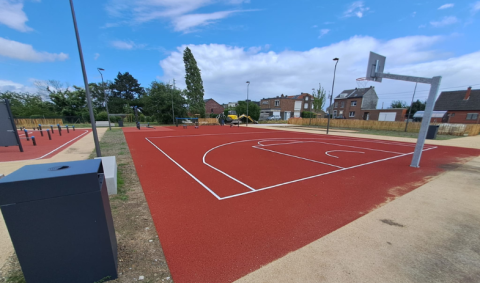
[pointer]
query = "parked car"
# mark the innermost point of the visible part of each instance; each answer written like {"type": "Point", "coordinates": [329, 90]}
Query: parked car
{"type": "Point", "coordinates": [274, 118]}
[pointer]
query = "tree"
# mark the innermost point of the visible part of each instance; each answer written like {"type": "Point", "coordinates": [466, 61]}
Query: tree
{"type": "Point", "coordinates": [319, 99]}
{"type": "Point", "coordinates": [67, 102]}
{"type": "Point", "coordinates": [158, 102]}
{"type": "Point", "coordinates": [26, 104]}
{"type": "Point", "coordinates": [193, 80]}
{"type": "Point", "coordinates": [398, 104]}
{"type": "Point", "coordinates": [253, 109]}
{"type": "Point", "coordinates": [125, 86]}
{"type": "Point", "coordinates": [417, 106]}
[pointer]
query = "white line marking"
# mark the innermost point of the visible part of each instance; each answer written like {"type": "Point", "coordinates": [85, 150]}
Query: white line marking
{"type": "Point", "coordinates": [202, 135]}
{"type": "Point", "coordinates": [50, 151]}
{"type": "Point", "coordinates": [185, 170]}
{"type": "Point", "coordinates": [294, 156]}
{"type": "Point", "coordinates": [281, 184]}
{"type": "Point", "coordinates": [342, 151]}
{"type": "Point", "coordinates": [319, 175]}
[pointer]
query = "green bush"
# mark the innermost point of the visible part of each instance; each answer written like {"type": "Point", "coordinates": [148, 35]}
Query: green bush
{"type": "Point", "coordinates": [102, 116]}
{"type": "Point", "coordinates": [213, 115]}
{"type": "Point", "coordinates": [306, 114]}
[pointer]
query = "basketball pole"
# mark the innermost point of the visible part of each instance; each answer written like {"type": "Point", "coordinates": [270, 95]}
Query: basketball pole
{"type": "Point", "coordinates": [331, 95]}
{"type": "Point", "coordinates": [411, 105]}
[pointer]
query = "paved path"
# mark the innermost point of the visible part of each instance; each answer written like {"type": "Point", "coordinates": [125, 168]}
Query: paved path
{"type": "Point", "coordinates": [80, 150]}
{"type": "Point", "coordinates": [427, 235]}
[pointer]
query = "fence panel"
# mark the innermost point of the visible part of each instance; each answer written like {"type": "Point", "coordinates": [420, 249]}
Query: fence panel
{"type": "Point", "coordinates": [413, 127]}
{"type": "Point", "coordinates": [33, 123]}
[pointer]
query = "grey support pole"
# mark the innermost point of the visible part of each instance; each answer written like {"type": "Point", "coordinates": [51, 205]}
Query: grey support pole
{"type": "Point", "coordinates": [331, 95]}
{"type": "Point", "coordinates": [85, 79]}
{"type": "Point", "coordinates": [411, 105]}
{"type": "Point", "coordinates": [432, 96]}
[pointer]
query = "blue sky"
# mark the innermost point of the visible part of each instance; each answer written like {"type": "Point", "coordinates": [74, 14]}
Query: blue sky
{"type": "Point", "coordinates": [282, 47]}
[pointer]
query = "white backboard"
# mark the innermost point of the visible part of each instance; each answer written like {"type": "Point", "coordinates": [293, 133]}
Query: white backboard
{"type": "Point", "coordinates": [376, 64]}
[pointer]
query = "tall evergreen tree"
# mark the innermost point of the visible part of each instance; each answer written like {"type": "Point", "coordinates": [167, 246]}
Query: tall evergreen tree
{"type": "Point", "coordinates": [193, 80]}
{"type": "Point", "coordinates": [125, 86]}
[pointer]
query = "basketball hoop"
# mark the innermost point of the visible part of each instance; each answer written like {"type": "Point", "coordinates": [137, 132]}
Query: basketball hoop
{"type": "Point", "coordinates": [362, 82]}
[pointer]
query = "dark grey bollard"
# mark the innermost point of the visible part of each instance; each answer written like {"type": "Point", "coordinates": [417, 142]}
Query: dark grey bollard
{"type": "Point", "coordinates": [49, 136]}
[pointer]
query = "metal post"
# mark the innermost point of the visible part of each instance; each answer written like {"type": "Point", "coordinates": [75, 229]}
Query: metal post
{"type": "Point", "coordinates": [331, 95]}
{"type": "Point", "coordinates": [41, 132]}
{"type": "Point", "coordinates": [106, 101]}
{"type": "Point", "coordinates": [248, 84]}
{"type": "Point", "coordinates": [59, 130]}
{"type": "Point", "coordinates": [26, 134]}
{"type": "Point", "coordinates": [67, 129]}
{"type": "Point", "coordinates": [173, 111]}
{"type": "Point", "coordinates": [85, 79]}
{"type": "Point", "coordinates": [49, 136]}
{"type": "Point", "coordinates": [33, 140]}
{"type": "Point", "coordinates": [411, 105]}
{"type": "Point", "coordinates": [51, 127]}
{"type": "Point", "coordinates": [427, 115]}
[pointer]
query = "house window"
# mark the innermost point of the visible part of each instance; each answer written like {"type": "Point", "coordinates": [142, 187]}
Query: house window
{"type": "Point", "coordinates": [265, 102]}
{"type": "Point", "coordinates": [353, 103]}
{"type": "Point", "coordinates": [277, 102]}
{"type": "Point", "coordinates": [334, 113]}
{"type": "Point", "coordinates": [340, 112]}
{"type": "Point", "coordinates": [336, 104]}
{"type": "Point", "coordinates": [351, 114]}
{"type": "Point", "coordinates": [342, 104]}
{"type": "Point", "coordinates": [452, 115]}
{"type": "Point", "coordinates": [306, 98]}
{"type": "Point", "coordinates": [212, 110]}
{"type": "Point", "coordinates": [472, 116]}
{"type": "Point", "coordinates": [305, 106]}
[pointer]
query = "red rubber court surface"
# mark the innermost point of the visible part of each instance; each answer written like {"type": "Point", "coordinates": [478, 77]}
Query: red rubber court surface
{"type": "Point", "coordinates": [45, 148]}
{"type": "Point", "coordinates": [226, 201]}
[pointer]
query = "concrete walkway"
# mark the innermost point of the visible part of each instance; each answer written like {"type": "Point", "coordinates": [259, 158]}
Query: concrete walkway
{"type": "Point", "coordinates": [428, 235]}
{"type": "Point", "coordinates": [80, 150]}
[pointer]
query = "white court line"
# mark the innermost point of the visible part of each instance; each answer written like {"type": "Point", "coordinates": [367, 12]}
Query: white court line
{"type": "Point", "coordinates": [294, 156]}
{"type": "Point", "coordinates": [185, 170]}
{"type": "Point", "coordinates": [342, 151]}
{"type": "Point", "coordinates": [50, 151]}
{"type": "Point", "coordinates": [319, 175]}
{"type": "Point", "coordinates": [277, 185]}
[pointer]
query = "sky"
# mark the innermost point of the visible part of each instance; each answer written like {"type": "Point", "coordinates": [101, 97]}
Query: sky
{"type": "Point", "coordinates": [281, 47]}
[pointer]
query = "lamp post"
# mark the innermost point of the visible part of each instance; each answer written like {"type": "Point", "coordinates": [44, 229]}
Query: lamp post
{"type": "Point", "coordinates": [105, 97]}
{"type": "Point", "coordinates": [248, 84]}
{"type": "Point", "coordinates": [331, 95]}
{"type": "Point", "coordinates": [85, 80]}
{"type": "Point", "coordinates": [311, 105]}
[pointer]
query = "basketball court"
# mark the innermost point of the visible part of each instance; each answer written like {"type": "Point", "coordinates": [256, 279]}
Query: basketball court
{"type": "Point", "coordinates": [226, 201]}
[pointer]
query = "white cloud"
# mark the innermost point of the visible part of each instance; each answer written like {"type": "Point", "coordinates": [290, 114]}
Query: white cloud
{"type": "Point", "coordinates": [187, 22]}
{"type": "Point", "coordinates": [226, 68]}
{"type": "Point", "coordinates": [12, 15]}
{"type": "Point", "coordinates": [6, 85]}
{"type": "Point", "coordinates": [16, 50]}
{"type": "Point", "coordinates": [357, 9]}
{"type": "Point", "coordinates": [413, 14]}
{"type": "Point", "coordinates": [314, 26]}
{"type": "Point", "coordinates": [323, 32]}
{"type": "Point", "coordinates": [446, 6]}
{"type": "Point", "coordinates": [179, 12]}
{"type": "Point", "coordinates": [476, 7]}
{"type": "Point", "coordinates": [126, 45]}
{"type": "Point", "coordinates": [96, 56]}
{"type": "Point", "coordinates": [444, 22]}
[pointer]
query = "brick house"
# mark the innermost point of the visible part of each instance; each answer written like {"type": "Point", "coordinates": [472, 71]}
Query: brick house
{"type": "Point", "coordinates": [286, 106]}
{"type": "Point", "coordinates": [213, 107]}
{"type": "Point", "coordinates": [462, 106]}
{"type": "Point", "coordinates": [361, 104]}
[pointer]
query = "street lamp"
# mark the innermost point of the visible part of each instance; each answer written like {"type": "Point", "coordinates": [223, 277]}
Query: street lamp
{"type": "Point", "coordinates": [331, 94]}
{"type": "Point", "coordinates": [105, 97]}
{"type": "Point", "coordinates": [248, 84]}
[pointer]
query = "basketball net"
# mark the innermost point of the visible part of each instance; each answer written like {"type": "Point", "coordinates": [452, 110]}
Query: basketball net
{"type": "Point", "coordinates": [362, 82]}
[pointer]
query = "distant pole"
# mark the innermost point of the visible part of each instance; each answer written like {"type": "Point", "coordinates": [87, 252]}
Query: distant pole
{"type": "Point", "coordinates": [248, 84]}
{"type": "Point", "coordinates": [85, 79]}
{"type": "Point", "coordinates": [173, 111]}
{"type": "Point", "coordinates": [105, 97]}
{"type": "Point", "coordinates": [411, 105]}
{"type": "Point", "coordinates": [331, 95]}
{"type": "Point", "coordinates": [311, 108]}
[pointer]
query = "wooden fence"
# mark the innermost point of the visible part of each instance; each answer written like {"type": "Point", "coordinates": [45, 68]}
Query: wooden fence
{"type": "Point", "coordinates": [413, 127]}
{"type": "Point", "coordinates": [33, 123]}
{"type": "Point", "coordinates": [208, 121]}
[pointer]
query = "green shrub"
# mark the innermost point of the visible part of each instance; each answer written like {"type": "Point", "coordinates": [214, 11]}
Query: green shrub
{"type": "Point", "coordinates": [102, 116]}
{"type": "Point", "coordinates": [213, 115]}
